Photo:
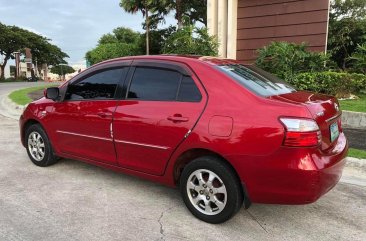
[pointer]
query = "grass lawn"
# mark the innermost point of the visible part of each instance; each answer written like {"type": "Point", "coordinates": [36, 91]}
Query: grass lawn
{"type": "Point", "coordinates": [21, 96]}
{"type": "Point", "coordinates": [358, 105]}
{"type": "Point", "coordinates": [357, 153]}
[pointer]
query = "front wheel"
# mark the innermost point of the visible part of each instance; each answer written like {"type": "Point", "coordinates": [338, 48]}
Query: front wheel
{"type": "Point", "coordinates": [211, 190]}
{"type": "Point", "coordinates": [39, 147]}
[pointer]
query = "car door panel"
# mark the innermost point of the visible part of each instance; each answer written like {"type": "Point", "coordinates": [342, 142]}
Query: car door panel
{"type": "Point", "coordinates": [80, 131]}
{"type": "Point", "coordinates": [146, 132]}
{"type": "Point", "coordinates": [82, 122]}
{"type": "Point", "coordinates": [145, 137]}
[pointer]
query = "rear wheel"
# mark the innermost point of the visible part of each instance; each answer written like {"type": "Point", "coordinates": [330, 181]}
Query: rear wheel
{"type": "Point", "coordinates": [211, 190]}
{"type": "Point", "coordinates": [38, 146]}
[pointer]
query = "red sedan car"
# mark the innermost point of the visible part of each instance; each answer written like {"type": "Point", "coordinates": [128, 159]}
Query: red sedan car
{"type": "Point", "coordinates": [225, 133]}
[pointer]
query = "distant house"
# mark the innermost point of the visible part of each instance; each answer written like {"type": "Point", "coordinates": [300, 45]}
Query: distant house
{"type": "Point", "coordinates": [243, 26]}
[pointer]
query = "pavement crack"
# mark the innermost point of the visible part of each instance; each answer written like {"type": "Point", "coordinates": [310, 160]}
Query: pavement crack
{"type": "Point", "coordinates": [255, 219]}
{"type": "Point", "coordinates": [161, 224]}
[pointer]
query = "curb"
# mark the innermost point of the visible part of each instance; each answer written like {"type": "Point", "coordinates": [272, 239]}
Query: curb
{"type": "Point", "coordinates": [355, 162]}
{"type": "Point", "coordinates": [356, 120]}
{"type": "Point", "coordinates": [9, 109]}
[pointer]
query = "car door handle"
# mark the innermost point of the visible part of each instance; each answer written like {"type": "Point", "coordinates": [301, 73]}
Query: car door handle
{"type": "Point", "coordinates": [104, 114]}
{"type": "Point", "coordinates": [178, 118]}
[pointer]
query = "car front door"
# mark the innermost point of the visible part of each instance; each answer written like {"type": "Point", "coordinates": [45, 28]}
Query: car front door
{"type": "Point", "coordinates": [82, 121]}
{"type": "Point", "coordinates": [162, 105]}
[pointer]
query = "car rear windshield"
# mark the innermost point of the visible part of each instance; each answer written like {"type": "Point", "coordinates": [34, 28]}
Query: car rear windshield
{"type": "Point", "coordinates": [256, 80]}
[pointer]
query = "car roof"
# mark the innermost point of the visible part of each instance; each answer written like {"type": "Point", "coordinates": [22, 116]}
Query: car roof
{"type": "Point", "coordinates": [177, 58]}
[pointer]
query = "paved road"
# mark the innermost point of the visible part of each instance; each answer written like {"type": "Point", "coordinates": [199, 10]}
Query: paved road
{"type": "Point", "coordinates": [356, 138]}
{"type": "Point", "coordinates": [76, 201]}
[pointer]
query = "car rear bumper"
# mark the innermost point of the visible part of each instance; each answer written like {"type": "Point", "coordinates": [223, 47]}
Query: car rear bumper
{"type": "Point", "coordinates": [292, 175]}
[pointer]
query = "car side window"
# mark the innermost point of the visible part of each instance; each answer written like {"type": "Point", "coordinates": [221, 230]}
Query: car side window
{"type": "Point", "coordinates": [101, 85]}
{"type": "Point", "coordinates": [188, 91]}
{"type": "Point", "coordinates": [154, 84]}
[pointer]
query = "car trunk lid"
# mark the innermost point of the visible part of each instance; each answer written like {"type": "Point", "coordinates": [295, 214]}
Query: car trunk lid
{"type": "Point", "coordinates": [324, 110]}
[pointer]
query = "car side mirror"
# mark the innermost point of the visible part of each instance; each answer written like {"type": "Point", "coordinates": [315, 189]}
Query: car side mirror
{"type": "Point", "coordinates": [52, 93]}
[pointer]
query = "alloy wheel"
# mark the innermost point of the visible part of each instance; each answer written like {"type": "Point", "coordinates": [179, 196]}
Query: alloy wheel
{"type": "Point", "coordinates": [206, 191]}
{"type": "Point", "coordinates": [36, 146]}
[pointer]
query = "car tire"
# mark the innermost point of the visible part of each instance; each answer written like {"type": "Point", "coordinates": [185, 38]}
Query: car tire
{"type": "Point", "coordinates": [39, 147]}
{"type": "Point", "coordinates": [211, 189]}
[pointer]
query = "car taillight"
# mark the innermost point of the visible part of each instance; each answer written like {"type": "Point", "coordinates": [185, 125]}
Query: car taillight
{"type": "Point", "coordinates": [301, 132]}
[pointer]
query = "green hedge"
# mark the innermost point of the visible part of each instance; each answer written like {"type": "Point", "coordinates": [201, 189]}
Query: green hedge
{"type": "Point", "coordinates": [339, 84]}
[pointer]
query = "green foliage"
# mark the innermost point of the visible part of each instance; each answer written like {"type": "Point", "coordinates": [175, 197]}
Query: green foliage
{"type": "Point", "coordinates": [358, 105]}
{"type": "Point", "coordinates": [12, 79]}
{"type": "Point", "coordinates": [347, 29]}
{"type": "Point", "coordinates": [62, 70]}
{"type": "Point", "coordinates": [121, 42]}
{"type": "Point", "coordinates": [361, 154]}
{"type": "Point", "coordinates": [358, 59]}
{"type": "Point", "coordinates": [192, 10]}
{"type": "Point", "coordinates": [121, 35]}
{"type": "Point", "coordinates": [15, 39]}
{"type": "Point", "coordinates": [21, 97]}
{"type": "Point", "coordinates": [157, 39]}
{"type": "Point", "coordinates": [286, 60]}
{"type": "Point", "coordinates": [191, 40]}
{"type": "Point", "coordinates": [144, 6]}
{"type": "Point", "coordinates": [339, 84]}
{"type": "Point", "coordinates": [111, 51]}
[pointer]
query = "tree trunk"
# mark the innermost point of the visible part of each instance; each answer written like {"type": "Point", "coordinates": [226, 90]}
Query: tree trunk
{"type": "Point", "coordinates": [147, 31]}
{"type": "Point", "coordinates": [2, 67]}
{"type": "Point", "coordinates": [179, 14]}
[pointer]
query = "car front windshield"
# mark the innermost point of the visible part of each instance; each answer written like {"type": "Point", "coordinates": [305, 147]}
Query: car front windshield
{"type": "Point", "coordinates": [256, 80]}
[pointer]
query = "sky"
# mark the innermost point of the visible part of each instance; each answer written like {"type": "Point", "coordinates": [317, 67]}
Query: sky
{"type": "Point", "coordinates": [73, 25]}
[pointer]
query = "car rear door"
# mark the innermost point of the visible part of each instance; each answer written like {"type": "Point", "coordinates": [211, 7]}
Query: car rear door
{"type": "Point", "coordinates": [162, 104]}
{"type": "Point", "coordinates": [82, 121]}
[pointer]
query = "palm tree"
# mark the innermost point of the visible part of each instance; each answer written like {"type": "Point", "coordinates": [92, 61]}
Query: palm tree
{"type": "Point", "coordinates": [133, 6]}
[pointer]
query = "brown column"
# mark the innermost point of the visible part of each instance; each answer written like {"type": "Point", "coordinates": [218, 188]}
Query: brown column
{"type": "Point", "coordinates": [17, 64]}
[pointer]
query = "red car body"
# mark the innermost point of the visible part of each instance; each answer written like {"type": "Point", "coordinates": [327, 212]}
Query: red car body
{"type": "Point", "coordinates": [156, 139]}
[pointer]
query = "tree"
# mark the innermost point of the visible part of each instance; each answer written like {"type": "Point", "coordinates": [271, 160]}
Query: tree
{"type": "Point", "coordinates": [358, 59]}
{"type": "Point", "coordinates": [14, 39]}
{"type": "Point", "coordinates": [158, 38]}
{"type": "Point", "coordinates": [347, 29]}
{"type": "Point", "coordinates": [61, 70]}
{"type": "Point", "coordinates": [133, 6]}
{"type": "Point", "coordinates": [121, 35]}
{"type": "Point", "coordinates": [44, 52]}
{"type": "Point", "coordinates": [191, 40]}
{"type": "Point", "coordinates": [111, 51]}
{"type": "Point", "coordinates": [191, 11]}
{"type": "Point", "coordinates": [121, 42]}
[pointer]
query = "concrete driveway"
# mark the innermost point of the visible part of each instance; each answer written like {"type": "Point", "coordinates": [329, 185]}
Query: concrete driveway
{"type": "Point", "coordinates": [76, 201]}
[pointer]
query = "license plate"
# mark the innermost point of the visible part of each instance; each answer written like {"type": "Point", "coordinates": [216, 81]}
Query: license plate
{"type": "Point", "coordinates": [334, 132]}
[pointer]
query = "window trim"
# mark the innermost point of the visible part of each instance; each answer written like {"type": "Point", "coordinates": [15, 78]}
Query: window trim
{"type": "Point", "coordinates": [158, 66]}
{"type": "Point", "coordinates": [99, 69]}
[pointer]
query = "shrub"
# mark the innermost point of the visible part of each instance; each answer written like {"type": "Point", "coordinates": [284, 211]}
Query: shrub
{"type": "Point", "coordinates": [191, 40]}
{"type": "Point", "coordinates": [339, 84]}
{"type": "Point", "coordinates": [111, 50]}
{"type": "Point", "coordinates": [12, 79]}
{"type": "Point", "coordinates": [358, 59]}
{"type": "Point", "coordinates": [286, 60]}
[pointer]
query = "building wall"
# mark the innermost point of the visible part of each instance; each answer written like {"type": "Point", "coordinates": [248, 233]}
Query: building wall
{"type": "Point", "coordinates": [243, 26]}
{"type": "Point", "coordinates": [261, 21]}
